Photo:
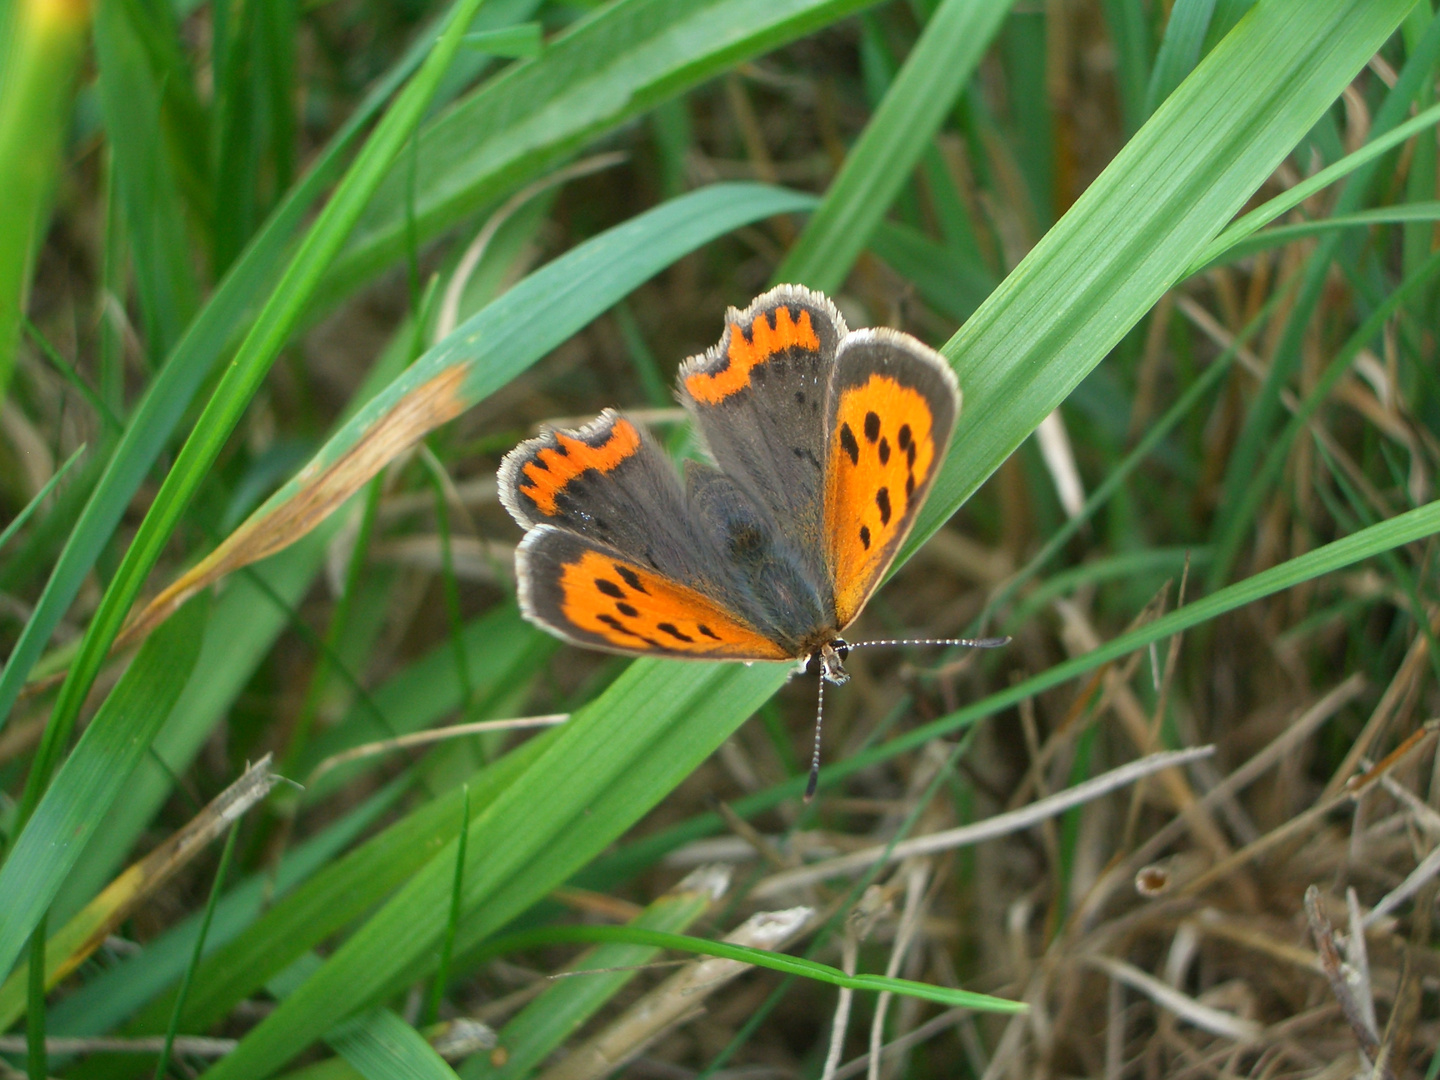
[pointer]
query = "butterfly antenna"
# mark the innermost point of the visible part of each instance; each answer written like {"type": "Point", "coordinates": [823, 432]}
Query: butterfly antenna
{"type": "Point", "coordinates": [814, 780]}
{"type": "Point", "coordinates": [974, 643]}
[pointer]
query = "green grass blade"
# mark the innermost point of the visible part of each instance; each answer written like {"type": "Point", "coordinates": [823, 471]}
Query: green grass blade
{"type": "Point", "coordinates": [159, 239]}
{"type": "Point", "coordinates": [1130, 34]}
{"type": "Point", "coordinates": [1180, 48]}
{"type": "Point", "coordinates": [1286, 234]}
{"type": "Point", "coordinates": [92, 778]}
{"type": "Point", "coordinates": [44, 44]}
{"type": "Point", "coordinates": [1263, 215]}
{"type": "Point", "coordinates": [111, 997]}
{"type": "Point", "coordinates": [879, 164]}
{"type": "Point", "coordinates": [790, 965]}
{"type": "Point", "coordinates": [521, 40]}
{"type": "Point", "coordinates": [163, 1065]}
{"type": "Point", "coordinates": [34, 504]}
{"type": "Point", "coordinates": [623, 60]}
{"type": "Point", "coordinates": [272, 327]}
{"type": "Point", "coordinates": [381, 1046]}
{"type": "Point", "coordinates": [567, 1003]}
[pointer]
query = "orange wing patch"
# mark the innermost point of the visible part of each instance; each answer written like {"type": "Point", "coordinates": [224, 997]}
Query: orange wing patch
{"type": "Point", "coordinates": [551, 469]}
{"type": "Point", "coordinates": [638, 611]}
{"type": "Point", "coordinates": [744, 354]}
{"type": "Point", "coordinates": [882, 456]}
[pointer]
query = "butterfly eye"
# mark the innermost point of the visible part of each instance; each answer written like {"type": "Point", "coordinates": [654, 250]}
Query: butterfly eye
{"type": "Point", "coordinates": [841, 647]}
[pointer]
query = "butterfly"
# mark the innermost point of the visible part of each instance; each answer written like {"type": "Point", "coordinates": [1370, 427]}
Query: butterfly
{"type": "Point", "coordinates": [823, 444]}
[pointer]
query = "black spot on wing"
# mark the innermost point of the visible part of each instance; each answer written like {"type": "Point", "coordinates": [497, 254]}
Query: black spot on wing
{"type": "Point", "coordinates": [904, 438]}
{"type": "Point", "coordinates": [707, 631]}
{"type": "Point", "coordinates": [872, 427]}
{"type": "Point", "coordinates": [627, 610]}
{"type": "Point", "coordinates": [882, 500]}
{"type": "Point", "coordinates": [849, 445]}
{"type": "Point", "coordinates": [630, 578]}
{"type": "Point", "coordinates": [884, 451]}
{"type": "Point", "coordinates": [674, 631]}
{"type": "Point", "coordinates": [609, 588]}
{"type": "Point", "coordinates": [615, 624]}
{"type": "Point", "coordinates": [865, 537]}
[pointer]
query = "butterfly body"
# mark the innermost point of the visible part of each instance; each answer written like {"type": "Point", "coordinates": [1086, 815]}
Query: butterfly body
{"type": "Point", "coordinates": [824, 445]}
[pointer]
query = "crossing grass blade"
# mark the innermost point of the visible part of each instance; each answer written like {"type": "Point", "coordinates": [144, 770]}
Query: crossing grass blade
{"type": "Point", "coordinates": [92, 778]}
{"type": "Point", "coordinates": [790, 965]}
{"type": "Point", "coordinates": [923, 93]}
{"type": "Point", "coordinates": [545, 1023]}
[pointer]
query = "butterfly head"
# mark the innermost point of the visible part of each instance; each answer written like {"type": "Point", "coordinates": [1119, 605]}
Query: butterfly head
{"type": "Point", "coordinates": [828, 661]}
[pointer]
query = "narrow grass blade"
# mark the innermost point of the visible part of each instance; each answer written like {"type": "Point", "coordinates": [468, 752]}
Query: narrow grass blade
{"type": "Point", "coordinates": [790, 965]}
{"type": "Point", "coordinates": [1130, 34]}
{"type": "Point", "coordinates": [44, 45]}
{"type": "Point", "coordinates": [1287, 234]}
{"type": "Point", "coordinates": [1272, 209]}
{"type": "Point", "coordinates": [923, 93]}
{"type": "Point", "coordinates": [93, 776]}
{"type": "Point", "coordinates": [130, 95]}
{"type": "Point", "coordinates": [34, 504]}
{"type": "Point", "coordinates": [163, 1065]}
{"type": "Point", "coordinates": [1180, 48]}
{"type": "Point", "coordinates": [600, 974]}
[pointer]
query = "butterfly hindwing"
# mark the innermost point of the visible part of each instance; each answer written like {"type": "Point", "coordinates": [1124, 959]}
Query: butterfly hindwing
{"type": "Point", "coordinates": [592, 595]}
{"type": "Point", "coordinates": [892, 407]}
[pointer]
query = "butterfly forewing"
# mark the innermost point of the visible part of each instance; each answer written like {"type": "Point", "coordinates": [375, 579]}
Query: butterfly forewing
{"type": "Point", "coordinates": [892, 406]}
{"type": "Point", "coordinates": [758, 398]}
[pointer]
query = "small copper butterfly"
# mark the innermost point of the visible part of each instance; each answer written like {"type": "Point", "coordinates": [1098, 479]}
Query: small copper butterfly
{"type": "Point", "coordinates": [825, 442]}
